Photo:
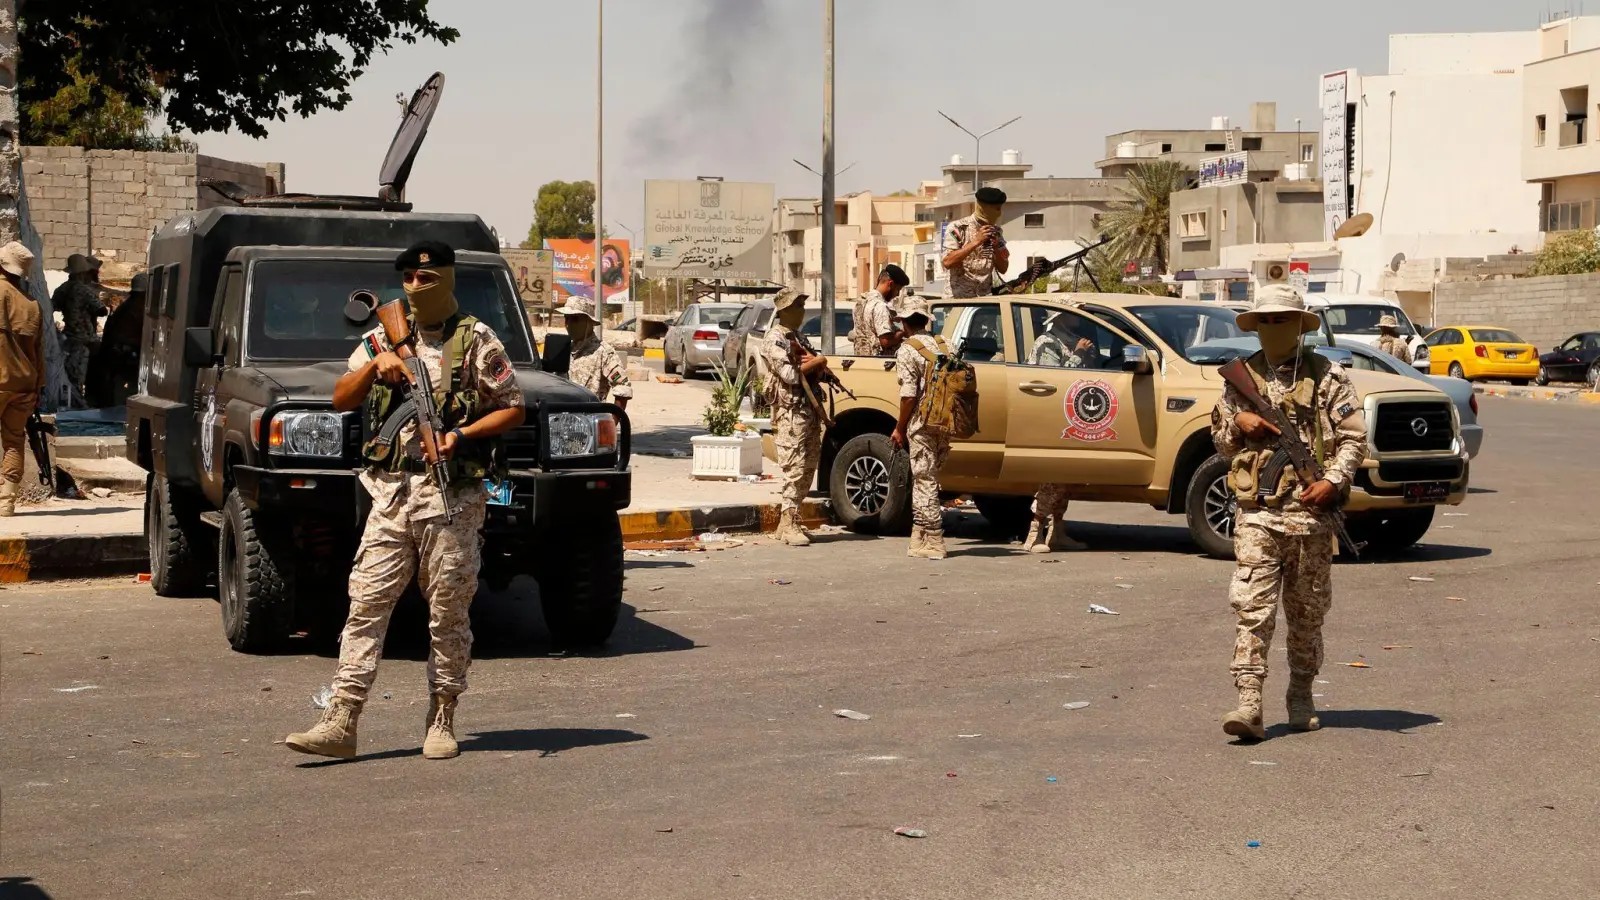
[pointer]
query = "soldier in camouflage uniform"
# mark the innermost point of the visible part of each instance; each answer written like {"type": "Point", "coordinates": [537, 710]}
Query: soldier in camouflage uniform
{"type": "Point", "coordinates": [796, 425]}
{"type": "Point", "coordinates": [874, 333]}
{"type": "Point", "coordinates": [595, 365]}
{"type": "Point", "coordinates": [974, 247]}
{"type": "Point", "coordinates": [927, 447]}
{"type": "Point", "coordinates": [1390, 341]}
{"type": "Point", "coordinates": [1285, 545]}
{"type": "Point", "coordinates": [406, 533]}
{"type": "Point", "coordinates": [78, 301]}
{"type": "Point", "coordinates": [1059, 348]}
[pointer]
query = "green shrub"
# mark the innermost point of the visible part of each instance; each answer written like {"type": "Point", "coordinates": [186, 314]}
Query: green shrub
{"type": "Point", "coordinates": [1568, 253]}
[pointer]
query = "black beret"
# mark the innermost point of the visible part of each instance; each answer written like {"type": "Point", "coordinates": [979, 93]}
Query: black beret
{"type": "Point", "coordinates": [991, 196]}
{"type": "Point", "coordinates": [426, 255]}
{"type": "Point", "coordinates": [896, 274]}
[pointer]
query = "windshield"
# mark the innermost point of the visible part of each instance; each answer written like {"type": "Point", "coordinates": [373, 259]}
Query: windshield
{"type": "Point", "coordinates": [1494, 336]}
{"type": "Point", "coordinates": [1363, 319]}
{"type": "Point", "coordinates": [1184, 328]}
{"type": "Point", "coordinates": [297, 306]}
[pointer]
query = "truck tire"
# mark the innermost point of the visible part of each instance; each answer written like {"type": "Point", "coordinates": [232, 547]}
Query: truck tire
{"type": "Point", "coordinates": [1007, 515]}
{"type": "Point", "coordinates": [580, 581]}
{"type": "Point", "coordinates": [870, 486]}
{"type": "Point", "coordinates": [1211, 509]}
{"type": "Point", "coordinates": [255, 581]}
{"type": "Point", "coordinates": [1390, 531]}
{"type": "Point", "coordinates": [179, 543]}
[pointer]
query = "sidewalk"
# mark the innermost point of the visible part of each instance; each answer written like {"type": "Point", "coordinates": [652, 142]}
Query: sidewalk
{"type": "Point", "coordinates": [62, 536]}
{"type": "Point", "coordinates": [1561, 394]}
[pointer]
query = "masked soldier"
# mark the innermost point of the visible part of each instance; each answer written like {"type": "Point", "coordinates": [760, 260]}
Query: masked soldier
{"type": "Point", "coordinates": [875, 333]}
{"type": "Point", "coordinates": [1061, 348]}
{"type": "Point", "coordinates": [1390, 341]}
{"type": "Point", "coordinates": [796, 425]}
{"type": "Point", "coordinates": [78, 301]}
{"type": "Point", "coordinates": [1284, 534]}
{"type": "Point", "coordinates": [596, 364]}
{"type": "Point", "coordinates": [479, 400]}
{"type": "Point", "coordinates": [21, 367]}
{"type": "Point", "coordinates": [975, 248]}
{"type": "Point", "coordinates": [927, 446]}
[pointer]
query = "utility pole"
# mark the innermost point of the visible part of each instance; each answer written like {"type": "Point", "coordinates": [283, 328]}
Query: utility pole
{"type": "Point", "coordinates": [599, 160]}
{"type": "Point", "coordinates": [828, 212]}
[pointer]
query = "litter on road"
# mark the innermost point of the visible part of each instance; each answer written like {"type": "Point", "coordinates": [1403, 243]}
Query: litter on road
{"type": "Point", "coordinates": [979, 734]}
{"type": "Point", "coordinates": [779, 581]}
{"type": "Point", "coordinates": [1397, 646]}
{"type": "Point", "coordinates": [1050, 778]}
{"type": "Point", "coordinates": [1421, 579]}
{"type": "Point", "coordinates": [852, 714]}
{"type": "Point", "coordinates": [1358, 665]}
{"type": "Point", "coordinates": [910, 832]}
{"type": "Point", "coordinates": [1252, 843]}
{"type": "Point", "coordinates": [78, 689]}
{"type": "Point", "coordinates": [1076, 704]}
{"type": "Point", "coordinates": [1415, 775]}
{"type": "Point", "coordinates": [1101, 610]}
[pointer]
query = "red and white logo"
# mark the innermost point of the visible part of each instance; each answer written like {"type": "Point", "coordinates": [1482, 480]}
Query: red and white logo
{"type": "Point", "coordinates": [1091, 409]}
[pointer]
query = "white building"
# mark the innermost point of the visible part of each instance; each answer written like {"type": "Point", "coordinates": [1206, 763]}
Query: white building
{"type": "Point", "coordinates": [1560, 151]}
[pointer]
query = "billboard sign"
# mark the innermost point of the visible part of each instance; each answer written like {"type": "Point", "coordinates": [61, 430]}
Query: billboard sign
{"type": "Point", "coordinates": [1336, 149]}
{"type": "Point", "coordinates": [531, 271]}
{"type": "Point", "coordinates": [708, 229]}
{"type": "Point", "coordinates": [573, 264]}
{"type": "Point", "coordinates": [1220, 171]}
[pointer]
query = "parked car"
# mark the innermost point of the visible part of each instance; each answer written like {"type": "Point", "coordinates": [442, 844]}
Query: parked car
{"type": "Point", "coordinates": [742, 332]}
{"type": "Point", "coordinates": [1361, 358]}
{"type": "Point", "coordinates": [844, 322]}
{"type": "Point", "coordinates": [1475, 352]}
{"type": "Point", "coordinates": [1354, 320]}
{"type": "Point", "coordinates": [694, 340]}
{"type": "Point", "coordinates": [1575, 359]}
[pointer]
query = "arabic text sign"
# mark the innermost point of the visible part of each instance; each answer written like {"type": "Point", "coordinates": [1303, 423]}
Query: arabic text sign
{"type": "Point", "coordinates": [1335, 152]}
{"type": "Point", "coordinates": [708, 229]}
{"type": "Point", "coordinates": [532, 272]}
{"type": "Point", "coordinates": [574, 267]}
{"type": "Point", "coordinates": [1218, 171]}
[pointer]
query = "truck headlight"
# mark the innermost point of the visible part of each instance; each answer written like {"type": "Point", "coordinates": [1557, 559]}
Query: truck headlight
{"type": "Point", "coordinates": [582, 434]}
{"type": "Point", "coordinates": [306, 434]}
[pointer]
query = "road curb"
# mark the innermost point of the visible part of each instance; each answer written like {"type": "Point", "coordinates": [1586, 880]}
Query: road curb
{"type": "Point", "coordinates": [673, 524]}
{"type": "Point", "coordinates": [1535, 393]}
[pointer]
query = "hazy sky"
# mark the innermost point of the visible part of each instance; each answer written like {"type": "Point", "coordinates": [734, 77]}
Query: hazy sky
{"type": "Point", "coordinates": [734, 88]}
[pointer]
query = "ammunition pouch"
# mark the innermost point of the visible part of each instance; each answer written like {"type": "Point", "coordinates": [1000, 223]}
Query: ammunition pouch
{"type": "Point", "coordinates": [1262, 479]}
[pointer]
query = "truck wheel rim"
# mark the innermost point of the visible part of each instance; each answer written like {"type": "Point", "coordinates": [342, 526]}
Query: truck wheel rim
{"type": "Point", "coordinates": [866, 483]}
{"type": "Point", "coordinates": [1221, 508]}
{"type": "Point", "coordinates": [227, 585]}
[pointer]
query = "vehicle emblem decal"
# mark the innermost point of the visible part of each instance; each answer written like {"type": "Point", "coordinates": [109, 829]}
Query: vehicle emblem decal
{"type": "Point", "coordinates": [1419, 427]}
{"type": "Point", "coordinates": [1091, 409]}
{"type": "Point", "coordinates": [208, 437]}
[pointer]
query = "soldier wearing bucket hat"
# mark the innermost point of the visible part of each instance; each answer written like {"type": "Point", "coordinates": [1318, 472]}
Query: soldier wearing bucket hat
{"type": "Point", "coordinates": [78, 300]}
{"type": "Point", "coordinates": [596, 364]}
{"type": "Point", "coordinates": [1283, 534]}
{"type": "Point", "coordinates": [927, 447]}
{"type": "Point", "coordinates": [796, 424]}
{"type": "Point", "coordinates": [21, 367]}
{"type": "Point", "coordinates": [1390, 341]}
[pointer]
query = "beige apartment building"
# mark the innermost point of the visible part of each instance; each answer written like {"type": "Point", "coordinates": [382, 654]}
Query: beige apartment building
{"type": "Point", "coordinates": [1561, 110]}
{"type": "Point", "coordinates": [1269, 149]}
{"type": "Point", "coordinates": [870, 231]}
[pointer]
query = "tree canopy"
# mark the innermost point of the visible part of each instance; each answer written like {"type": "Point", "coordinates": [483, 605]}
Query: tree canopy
{"type": "Point", "coordinates": [1140, 224]}
{"type": "Point", "coordinates": [563, 209]}
{"type": "Point", "coordinates": [209, 66]}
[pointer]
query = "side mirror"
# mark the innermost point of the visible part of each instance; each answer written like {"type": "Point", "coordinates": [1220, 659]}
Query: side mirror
{"type": "Point", "coordinates": [199, 347]}
{"type": "Point", "coordinates": [1137, 360]}
{"type": "Point", "coordinates": [557, 354]}
{"type": "Point", "coordinates": [725, 325]}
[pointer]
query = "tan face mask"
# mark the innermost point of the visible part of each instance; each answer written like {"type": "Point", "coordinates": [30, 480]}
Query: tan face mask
{"type": "Point", "coordinates": [433, 299]}
{"type": "Point", "coordinates": [1279, 341]}
{"type": "Point", "coordinates": [988, 214]}
{"type": "Point", "coordinates": [792, 317]}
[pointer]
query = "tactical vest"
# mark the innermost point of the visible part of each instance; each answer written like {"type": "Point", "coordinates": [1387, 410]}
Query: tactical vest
{"type": "Point", "coordinates": [1251, 468]}
{"type": "Point", "coordinates": [387, 412]}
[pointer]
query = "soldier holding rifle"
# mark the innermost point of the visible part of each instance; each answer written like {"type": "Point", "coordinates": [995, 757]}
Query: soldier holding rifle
{"type": "Point", "coordinates": [425, 474]}
{"type": "Point", "coordinates": [1285, 531]}
{"type": "Point", "coordinates": [796, 422]}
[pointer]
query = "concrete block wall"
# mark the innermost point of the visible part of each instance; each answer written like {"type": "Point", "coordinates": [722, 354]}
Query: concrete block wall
{"type": "Point", "coordinates": [1543, 311]}
{"type": "Point", "coordinates": [121, 196]}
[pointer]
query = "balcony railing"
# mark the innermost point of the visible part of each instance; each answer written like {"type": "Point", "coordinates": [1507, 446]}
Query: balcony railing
{"type": "Point", "coordinates": [1574, 133]}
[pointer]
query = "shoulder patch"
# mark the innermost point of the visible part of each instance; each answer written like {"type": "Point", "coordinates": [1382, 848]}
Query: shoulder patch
{"type": "Point", "coordinates": [499, 370]}
{"type": "Point", "coordinates": [373, 344]}
{"type": "Point", "coordinates": [1345, 411]}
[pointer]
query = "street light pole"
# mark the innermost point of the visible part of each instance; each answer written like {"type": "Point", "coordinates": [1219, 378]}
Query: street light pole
{"type": "Point", "coordinates": [829, 215]}
{"type": "Point", "coordinates": [977, 150]}
{"type": "Point", "coordinates": [599, 160]}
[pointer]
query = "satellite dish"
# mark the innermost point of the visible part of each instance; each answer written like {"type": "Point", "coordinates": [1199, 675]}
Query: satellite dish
{"type": "Point", "coordinates": [408, 139]}
{"type": "Point", "coordinates": [1356, 226]}
{"type": "Point", "coordinates": [1398, 261]}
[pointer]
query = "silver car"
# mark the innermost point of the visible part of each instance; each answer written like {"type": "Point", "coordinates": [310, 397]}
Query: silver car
{"type": "Point", "coordinates": [694, 341]}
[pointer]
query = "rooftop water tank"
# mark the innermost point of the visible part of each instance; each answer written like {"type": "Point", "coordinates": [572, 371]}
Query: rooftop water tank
{"type": "Point", "coordinates": [1219, 123]}
{"type": "Point", "coordinates": [956, 159]}
{"type": "Point", "coordinates": [1296, 172]}
{"type": "Point", "coordinates": [1127, 150]}
{"type": "Point", "coordinates": [1010, 158]}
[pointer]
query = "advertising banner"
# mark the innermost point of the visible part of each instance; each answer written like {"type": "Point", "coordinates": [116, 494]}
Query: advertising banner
{"type": "Point", "coordinates": [1218, 171]}
{"type": "Point", "coordinates": [532, 271]}
{"type": "Point", "coordinates": [574, 268]}
{"type": "Point", "coordinates": [708, 229]}
{"type": "Point", "coordinates": [1336, 146]}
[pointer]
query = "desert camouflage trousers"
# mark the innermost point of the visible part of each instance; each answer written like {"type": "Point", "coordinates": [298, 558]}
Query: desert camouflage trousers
{"type": "Point", "coordinates": [1292, 570]}
{"type": "Point", "coordinates": [928, 452]}
{"type": "Point", "coordinates": [797, 434]}
{"type": "Point", "coordinates": [1050, 501]}
{"type": "Point", "coordinates": [445, 560]}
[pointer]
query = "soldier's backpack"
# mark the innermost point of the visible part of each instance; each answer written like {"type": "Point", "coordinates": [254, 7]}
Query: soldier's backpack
{"type": "Point", "coordinates": [949, 402]}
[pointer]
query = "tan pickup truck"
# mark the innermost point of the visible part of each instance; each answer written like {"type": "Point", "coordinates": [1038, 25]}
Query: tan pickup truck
{"type": "Point", "coordinates": [1133, 425]}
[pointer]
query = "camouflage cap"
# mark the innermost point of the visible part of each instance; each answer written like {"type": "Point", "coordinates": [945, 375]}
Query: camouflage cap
{"type": "Point", "coordinates": [913, 305]}
{"type": "Point", "coordinates": [786, 298]}
{"type": "Point", "coordinates": [578, 306]}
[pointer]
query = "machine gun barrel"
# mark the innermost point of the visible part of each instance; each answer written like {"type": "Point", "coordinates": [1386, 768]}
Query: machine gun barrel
{"type": "Point", "coordinates": [1021, 283]}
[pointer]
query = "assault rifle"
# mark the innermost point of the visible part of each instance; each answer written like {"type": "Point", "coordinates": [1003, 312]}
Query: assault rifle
{"type": "Point", "coordinates": [39, 442]}
{"type": "Point", "coordinates": [419, 398]}
{"type": "Point", "coordinates": [824, 381]}
{"type": "Point", "coordinates": [1290, 450]}
{"type": "Point", "coordinates": [1022, 283]}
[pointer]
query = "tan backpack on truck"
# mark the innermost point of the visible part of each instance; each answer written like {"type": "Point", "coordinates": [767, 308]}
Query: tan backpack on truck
{"type": "Point", "coordinates": [949, 402]}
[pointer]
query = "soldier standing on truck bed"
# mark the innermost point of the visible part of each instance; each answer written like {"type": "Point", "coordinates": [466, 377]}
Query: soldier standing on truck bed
{"type": "Point", "coordinates": [975, 248]}
{"type": "Point", "coordinates": [927, 447]}
{"type": "Point", "coordinates": [874, 333]}
{"type": "Point", "coordinates": [796, 427]}
{"type": "Point", "coordinates": [1060, 348]}
{"type": "Point", "coordinates": [595, 364]}
{"type": "Point", "coordinates": [405, 532]}
{"type": "Point", "coordinates": [1285, 545]}
{"type": "Point", "coordinates": [21, 367]}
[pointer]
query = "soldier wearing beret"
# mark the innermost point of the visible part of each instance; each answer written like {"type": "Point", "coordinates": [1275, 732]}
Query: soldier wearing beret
{"type": "Point", "coordinates": [975, 248]}
{"type": "Point", "coordinates": [405, 532]}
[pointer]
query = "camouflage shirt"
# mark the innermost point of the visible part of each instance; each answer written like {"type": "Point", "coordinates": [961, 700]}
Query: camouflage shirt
{"type": "Point", "coordinates": [873, 320]}
{"type": "Point", "coordinates": [1395, 347]}
{"type": "Point", "coordinates": [80, 305]}
{"type": "Point", "coordinates": [975, 274]}
{"type": "Point", "coordinates": [1058, 352]}
{"type": "Point", "coordinates": [783, 376]}
{"type": "Point", "coordinates": [597, 366]}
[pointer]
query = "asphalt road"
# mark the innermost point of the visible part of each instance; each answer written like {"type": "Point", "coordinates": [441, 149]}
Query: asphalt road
{"type": "Point", "coordinates": [701, 759]}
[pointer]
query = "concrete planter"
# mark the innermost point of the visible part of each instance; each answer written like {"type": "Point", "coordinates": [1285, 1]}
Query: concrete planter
{"type": "Point", "coordinates": [725, 457]}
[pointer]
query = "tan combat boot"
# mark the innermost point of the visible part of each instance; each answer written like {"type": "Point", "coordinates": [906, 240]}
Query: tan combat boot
{"type": "Point", "coordinates": [1037, 540]}
{"type": "Point", "coordinates": [915, 549]}
{"type": "Point", "coordinates": [932, 544]}
{"type": "Point", "coordinates": [1245, 722]}
{"type": "Point", "coordinates": [1302, 708]}
{"type": "Point", "coordinates": [334, 734]}
{"type": "Point", "coordinates": [791, 531]}
{"type": "Point", "coordinates": [440, 742]}
{"type": "Point", "coordinates": [1059, 540]}
{"type": "Point", "coordinates": [8, 498]}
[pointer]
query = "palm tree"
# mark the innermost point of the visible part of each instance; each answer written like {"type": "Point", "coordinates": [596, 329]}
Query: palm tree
{"type": "Point", "coordinates": [1140, 225]}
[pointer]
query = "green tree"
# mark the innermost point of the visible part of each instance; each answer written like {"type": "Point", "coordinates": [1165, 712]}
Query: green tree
{"type": "Point", "coordinates": [1140, 224]}
{"type": "Point", "coordinates": [563, 209]}
{"type": "Point", "coordinates": [1569, 253]}
{"type": "Point", "coordinates": [210, 66]}
{"type": "Point", "coordinates": [82, 114]}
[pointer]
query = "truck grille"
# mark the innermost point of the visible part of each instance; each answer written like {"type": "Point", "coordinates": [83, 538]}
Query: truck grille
{"type": "Point", "coordinates": [1413, 426]}
{"type": "Point", "coordinates": [522, 447]}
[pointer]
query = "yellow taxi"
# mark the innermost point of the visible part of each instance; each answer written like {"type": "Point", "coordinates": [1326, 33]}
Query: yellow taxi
{"type": "Point", "coordinates": [1474, 352]}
